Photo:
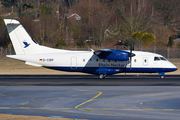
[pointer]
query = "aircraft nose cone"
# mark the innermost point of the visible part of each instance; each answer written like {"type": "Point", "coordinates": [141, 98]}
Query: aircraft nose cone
{"type": "Point", "coordinates": [174, 68]}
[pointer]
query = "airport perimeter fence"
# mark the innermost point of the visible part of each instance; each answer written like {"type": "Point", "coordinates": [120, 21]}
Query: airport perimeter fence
{"type": "Point", "coordinates": [166, 52]}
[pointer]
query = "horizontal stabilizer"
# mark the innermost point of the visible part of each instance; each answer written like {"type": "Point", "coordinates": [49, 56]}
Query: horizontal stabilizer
{"type": "Point", "coordinates": [17, 57]}
{"type": "Point", "coordinates": [33, 64]}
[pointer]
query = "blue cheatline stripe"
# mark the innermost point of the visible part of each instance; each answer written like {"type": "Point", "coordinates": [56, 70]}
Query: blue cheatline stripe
{"type": "Point", "coordinates": [150, 70]}
{"type": "Point", "coordinates": [96, 70]}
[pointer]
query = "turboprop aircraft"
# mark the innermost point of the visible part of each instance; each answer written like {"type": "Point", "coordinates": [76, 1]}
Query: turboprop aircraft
{"type": "Point", "coordinates": [100, 62]}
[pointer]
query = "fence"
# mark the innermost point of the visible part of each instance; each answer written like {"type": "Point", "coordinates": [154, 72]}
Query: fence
{"type": "Point", "coordinates": [166, 52]}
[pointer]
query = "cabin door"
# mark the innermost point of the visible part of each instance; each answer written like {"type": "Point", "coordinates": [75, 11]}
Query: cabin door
{"type": "Point", "coordinates": [73, 63]}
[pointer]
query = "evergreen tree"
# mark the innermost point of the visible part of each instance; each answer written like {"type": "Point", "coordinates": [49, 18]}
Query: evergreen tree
{"type": "Point", "coordinates": [170, 43]}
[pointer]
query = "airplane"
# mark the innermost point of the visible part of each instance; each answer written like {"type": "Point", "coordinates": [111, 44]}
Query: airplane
{"type": "Point", "coordinates": [99, 62]}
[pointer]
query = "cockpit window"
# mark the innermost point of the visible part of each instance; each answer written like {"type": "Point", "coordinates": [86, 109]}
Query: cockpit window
{"type": "Point", "coordinates": [159, 58]}
{"type": "Point", "coordinates": [156, 58]}
{"type": "Point", "coordinates": [162, 58]}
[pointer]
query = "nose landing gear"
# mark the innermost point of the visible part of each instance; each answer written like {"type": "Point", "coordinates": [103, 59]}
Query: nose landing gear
{"type": "Point", "coordinates": [162, 77]}
{"type": "Point", "coordinates": [161, 74]}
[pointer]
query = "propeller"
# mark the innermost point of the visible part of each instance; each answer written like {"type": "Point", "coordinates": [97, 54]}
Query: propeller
{"type": "Point", "coordinates": [131, 54]}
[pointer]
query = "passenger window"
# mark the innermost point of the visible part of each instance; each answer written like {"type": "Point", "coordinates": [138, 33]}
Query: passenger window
{"type": "Point", "coordinates": [96, 59]}
{"type": "Point", "coordinates": [83, 60]}
{"type": "Point", "coordinates": [134, 60]}
{"type": "Point", "coordinates": [104, 60]}
{"type": "Point", "coordinates": [109, 61]}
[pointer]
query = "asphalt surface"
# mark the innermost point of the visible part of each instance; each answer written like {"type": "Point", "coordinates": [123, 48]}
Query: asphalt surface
{"type": "Point", "coordinates": [115, 97]}
{"type": "Point", "coordinates": [89, 80]}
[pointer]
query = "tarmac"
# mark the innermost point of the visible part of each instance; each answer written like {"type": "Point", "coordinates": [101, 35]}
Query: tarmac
{"type": "Point", "coordinates": [116, 97]}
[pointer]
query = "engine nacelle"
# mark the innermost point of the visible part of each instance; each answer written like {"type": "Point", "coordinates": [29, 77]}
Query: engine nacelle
{"type": "Point", "coordinates": [112, 54]}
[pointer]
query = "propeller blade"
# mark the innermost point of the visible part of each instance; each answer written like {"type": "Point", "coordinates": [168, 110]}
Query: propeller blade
{"type": "Point", "coordinates": [130, 62]}
{"type": "Point", "coordinates": [131, 54]}
{"type": "Point", "coordinates": [133, 47]}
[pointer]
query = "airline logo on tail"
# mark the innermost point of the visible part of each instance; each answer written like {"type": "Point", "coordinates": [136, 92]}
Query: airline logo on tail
{"type": "Point", "coordinates": [26, 44]}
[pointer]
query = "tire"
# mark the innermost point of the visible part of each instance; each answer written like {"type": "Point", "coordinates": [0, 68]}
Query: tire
{"type": "Point", "coordinates": [162, 76]}
{"type": "Point", "coordinates": [102, 76]}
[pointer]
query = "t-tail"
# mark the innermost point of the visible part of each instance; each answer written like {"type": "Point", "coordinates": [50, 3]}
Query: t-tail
{"type": "Point", "coordinates": [22, 41]}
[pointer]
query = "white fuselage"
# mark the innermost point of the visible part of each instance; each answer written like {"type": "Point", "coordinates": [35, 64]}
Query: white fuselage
{"type": "Point", "coordinates": [80, 60]}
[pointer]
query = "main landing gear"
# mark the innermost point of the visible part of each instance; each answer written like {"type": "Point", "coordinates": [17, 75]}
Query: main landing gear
{"type": "Point", "coordinates": [161, 74]}
{"type": "Point", "coordinates": [102, 76]}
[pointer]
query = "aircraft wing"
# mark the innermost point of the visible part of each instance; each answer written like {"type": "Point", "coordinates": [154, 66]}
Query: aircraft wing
{"type": "Point", "coordinates": [112, 54]}
{"type": "Point", "coordinates": [103, 54]}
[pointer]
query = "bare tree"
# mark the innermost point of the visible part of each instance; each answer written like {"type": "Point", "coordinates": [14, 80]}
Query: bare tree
{"type": "Point", "coordinates": [167, 10]}
{"type": "Point", "coordinates": [95, 20]}
{"type": "Point", "coordinates": [137, 16]}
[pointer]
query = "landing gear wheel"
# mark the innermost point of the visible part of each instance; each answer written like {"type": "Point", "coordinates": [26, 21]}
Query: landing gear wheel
{"type": "Point", "coordinates": [102, 76]}
{"type": "Point", "coordinates": [162, 76]}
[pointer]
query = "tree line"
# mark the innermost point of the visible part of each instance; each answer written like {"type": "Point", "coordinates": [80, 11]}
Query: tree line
{"type": "Point", "coordinates": [100, 22]}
